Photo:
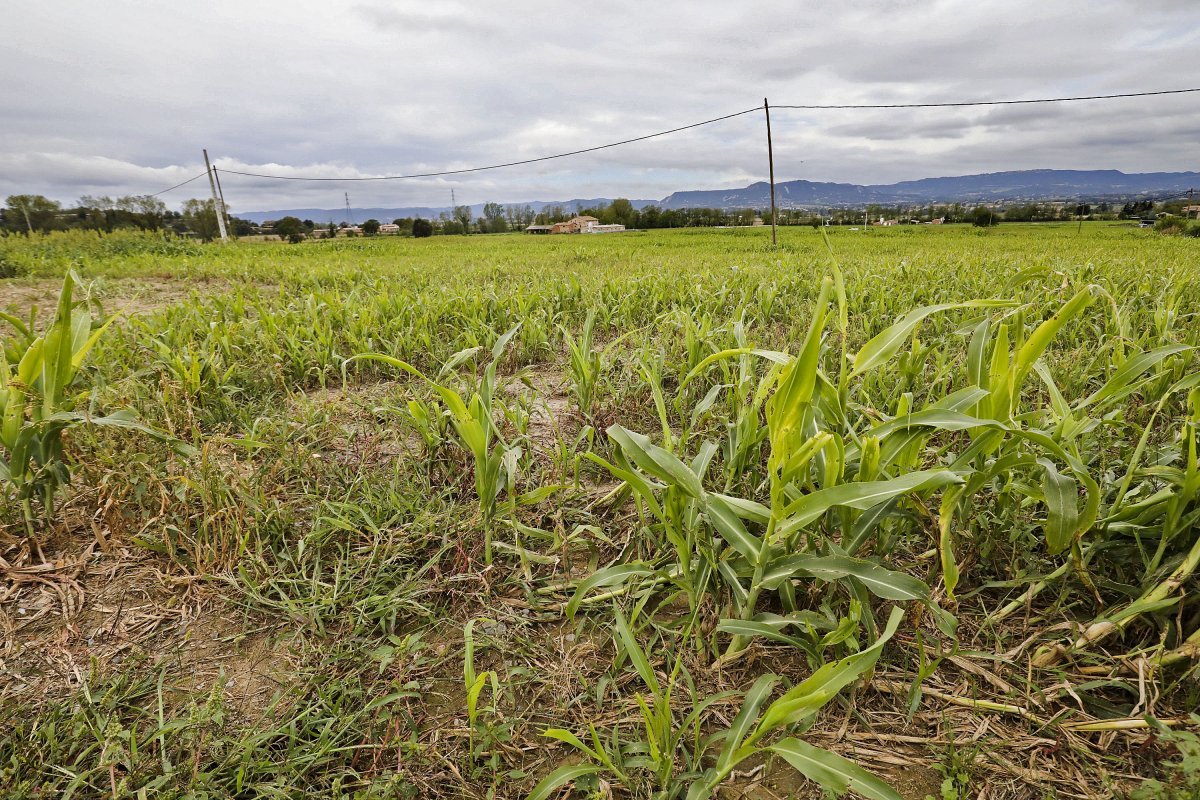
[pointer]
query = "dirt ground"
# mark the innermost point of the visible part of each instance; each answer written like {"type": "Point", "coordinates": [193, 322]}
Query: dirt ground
{"type": "Point", "coordinates": [115, 295]}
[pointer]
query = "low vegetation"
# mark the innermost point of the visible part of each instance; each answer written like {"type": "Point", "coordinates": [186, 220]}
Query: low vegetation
{"type": "Point", "coordinates": [908, 512]}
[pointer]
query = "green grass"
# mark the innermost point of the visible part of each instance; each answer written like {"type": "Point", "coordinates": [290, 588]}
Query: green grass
{"type": "Point", "coordinates": [666, 519]}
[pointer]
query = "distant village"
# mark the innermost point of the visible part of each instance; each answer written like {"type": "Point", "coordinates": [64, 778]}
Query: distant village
{"type": "Point", "coordinates": [579, 224]}
{"type": "Point", "coordinates": [621, 216]}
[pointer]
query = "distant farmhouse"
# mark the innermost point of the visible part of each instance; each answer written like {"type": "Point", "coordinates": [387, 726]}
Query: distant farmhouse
{"type": "Point", "coordinates": [575, 225]}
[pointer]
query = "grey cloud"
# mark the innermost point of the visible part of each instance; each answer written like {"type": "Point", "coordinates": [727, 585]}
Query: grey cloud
{"type": "Point", "coordinates": [120, 97]}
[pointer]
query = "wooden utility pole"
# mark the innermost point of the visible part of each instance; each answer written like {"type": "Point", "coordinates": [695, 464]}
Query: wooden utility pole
{"type": "Point", "coordinates": [218, 206]}
{"type": "Point", "coordinates": [771, 163]}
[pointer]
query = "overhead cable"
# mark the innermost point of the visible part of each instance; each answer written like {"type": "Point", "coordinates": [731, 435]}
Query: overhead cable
{"type": "Point", "coordinates": [497, 166]}
{"type": "Point", "coordinates": [964, 103]}
{"type": "Point", "coordinates": [176, 186]}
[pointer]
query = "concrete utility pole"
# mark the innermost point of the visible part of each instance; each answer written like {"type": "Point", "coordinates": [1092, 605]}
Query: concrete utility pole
{"type": "Point", "coordinates": [349, 216]}
{"type": "Point", "coordinates": [28, 221]}
{"type": "Point", "coordinates": [218, 206]}
{"type": "Point", "coordinates": [221, 194]}
{"type": "Point", "coordinates": [771, 163]}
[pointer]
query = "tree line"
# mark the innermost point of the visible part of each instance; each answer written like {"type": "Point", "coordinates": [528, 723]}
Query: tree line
{"type": "Point", "coordinates": [31, 213]}
{"type": "Point", "coordinates": [34, 213]}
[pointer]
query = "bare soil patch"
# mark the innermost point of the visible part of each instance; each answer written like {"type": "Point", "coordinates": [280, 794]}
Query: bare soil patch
{"type": "Point", "coordinates": [115, 295]}
{"type": "Point", "coordinates": [81, 615]}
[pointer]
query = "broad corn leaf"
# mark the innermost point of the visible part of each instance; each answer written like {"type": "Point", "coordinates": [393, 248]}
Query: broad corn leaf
{"type": "Point", "coordinates": [833, 772]}
{"type": "Point", "coordinates": [886, 344]}
{"type": "Point", "coordinates": [809, 696]}
{"type": "Point", "coordinates": [1062, 501]}
{"type": "Point", "coordinates": [861, 496]}
{"type": "Point", "coordinates": [725, 521]}
{"type": "Point", "coordinates": [655, 460]}
{"type": "Point", "coordinates": [563, 775]}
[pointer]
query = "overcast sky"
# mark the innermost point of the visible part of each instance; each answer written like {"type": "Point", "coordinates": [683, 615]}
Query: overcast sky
{"type": "Point", "coordinates": [119, 97]}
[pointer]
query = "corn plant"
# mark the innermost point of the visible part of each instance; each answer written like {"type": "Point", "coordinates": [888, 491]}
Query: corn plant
{"type": "Point", "coordinates": [473, 421]}
{"type": "Point", "coordinates": [474, 683]}
{"type": "Point", "coordinates": [38, 398]}
{"type": "Point", "coordinates": [750, 563]}
{"type": "Point", "coordinates": [586, 365]}
{"type": "Point", "coordinates": [674, 752]}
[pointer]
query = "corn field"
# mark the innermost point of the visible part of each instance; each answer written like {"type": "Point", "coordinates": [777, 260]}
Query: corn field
{"type": "Point", "coordinates": [898, 513]}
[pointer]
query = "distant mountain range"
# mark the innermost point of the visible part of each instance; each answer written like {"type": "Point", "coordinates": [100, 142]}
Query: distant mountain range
{"type": "Point", "coordinates": [1021, 185]}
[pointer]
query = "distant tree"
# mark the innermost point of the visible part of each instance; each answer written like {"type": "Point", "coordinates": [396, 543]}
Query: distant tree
{"type": "Point", "coordinates": [649, 217]}
{"type": "Point", "coordinates": [33, 212]}
{"type": "Point", "coordinates": [97, 212]}
{"type": "Point", "coordinates": [462, 214]}
{"type": "Point", "coordinates": [519, 217]}
{"type": "Point", "coordinates": [422, 228]}
{"type": "Point", "coordinates": [151, 213]}
{"type": "Point", "coordinates": [493, 218]}
{"type": "Point", "coordinates": [622, 212]}
{"type": "Point", "coordinates": [287, 227]}
{"type": "Point", "coordinates": [309, 225]}
{"type": "Point", "coordinates": [200, 217]}
{"type": "Point", "coordinates": [983, 217]}
{"type": "Point", "coordinates": [552, 214]}
{"type": "Point", "coordinates": [242, 227]}
{"type": "Point", "coordinates": [331, 233]}
{"type": "Point", "coordinates": [370, 227]}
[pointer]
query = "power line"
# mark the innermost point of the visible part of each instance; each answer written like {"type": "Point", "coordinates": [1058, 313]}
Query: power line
{"type": "Point", "coordinates": [989, 102]}
{"type": "Point", "coordinates": [809, 107]}
{"type": "Point", "coordinates": [501, 166]}
{"type": "Point", "coordinates": [176, 186]}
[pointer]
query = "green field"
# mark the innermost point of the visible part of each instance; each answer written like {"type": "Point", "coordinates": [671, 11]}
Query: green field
{"type": "Point", "coordinates": [913, 511]}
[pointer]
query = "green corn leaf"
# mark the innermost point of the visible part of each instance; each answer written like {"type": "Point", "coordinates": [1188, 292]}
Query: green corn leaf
{"type": "Point", "coordinates": [860, 496]}
{"type": "Point", "coordinates": [1040, 339]}
{"type": "Point", "coordinates": [977, 366]}
{"type": "Point", "coordinates": [808, 697]}
{"type": "Point", "coordinates": [563, 775]}
{"type": "Point", "coordinates": [725, 520]}
{"type": "Point", "coordinates": [609, 576]}
{"type": "Point", "coordinates": [705, 363]}
{"type": "Point", "coordinates": [660, 463]}
{"type": "Point", "coordinates": [644, 488]}
{"type": "Point", "coordinates": [882, 582]}
{"type": "Point", "coordinates": [473, 693]}
{"type": "Point", "coordinates": [123, 419]}
{"type": "Point", "coordinates": [936, 418]}
{"type": "Point", "coordinates": [946, 539]}
{"type": "Point", "coordinates": [748, 510]}
{"type": "Point", "coordinates": [798, 380]}
{"type": "Point", "coordinates": [567, 737]}
{"type": "Point", "coordinates": [772, 632]}
{"type": "Point", "coordinates": [885, 345]}
{"type": "Point", "coordinates": [1062, 501]}
{"type": "Point", "coordinates": [1122, 382]}
{"type": "Point", "coordinates": [637, 656]}
{"type": "Point", "coordinates": [755, 697]}
{"type": "Point", "coordinates": [833, 772]}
